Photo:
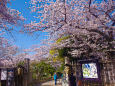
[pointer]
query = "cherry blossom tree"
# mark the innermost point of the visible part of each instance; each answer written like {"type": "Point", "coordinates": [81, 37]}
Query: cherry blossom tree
{"type": "Point", "coordinates": [7, 52]}
{"type": "Point", "coordinates": [8, 16]}
{"type": "Point", "coordinates": [39, 52]}
{"type": "Point", "coordinates": [89, 23]}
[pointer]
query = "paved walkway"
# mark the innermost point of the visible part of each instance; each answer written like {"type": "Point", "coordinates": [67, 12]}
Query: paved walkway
{"type": "Point", "coordinates": [50, 83]}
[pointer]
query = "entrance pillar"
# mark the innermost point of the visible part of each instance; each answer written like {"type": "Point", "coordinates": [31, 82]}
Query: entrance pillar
{"type": "Point", "coordinates": [65, 81]}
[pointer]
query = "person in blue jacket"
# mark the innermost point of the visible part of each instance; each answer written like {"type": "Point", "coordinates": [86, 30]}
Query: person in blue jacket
{"type": "Point", "coordinates": [55, 78]}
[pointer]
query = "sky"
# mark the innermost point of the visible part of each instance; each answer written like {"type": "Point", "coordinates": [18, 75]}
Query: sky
{"type": "Point", "coordinates": [24, 41]}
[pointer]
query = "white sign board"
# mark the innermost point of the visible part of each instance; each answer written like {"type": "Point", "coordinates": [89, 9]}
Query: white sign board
{"type": "Point", "coordinates": [3, 74]}
{"type": "Point", "coordinates": [89, 70]}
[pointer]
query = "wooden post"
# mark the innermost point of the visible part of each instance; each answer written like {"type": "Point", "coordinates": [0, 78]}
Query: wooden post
{"type": "Point", "coordinates": [27, 62]}
{"type": "Point", "coordinates": [78, 75]}
{"type": "Point", "coordinates": [0, 77]}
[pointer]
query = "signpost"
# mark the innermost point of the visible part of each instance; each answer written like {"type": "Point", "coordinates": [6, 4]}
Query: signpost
{"type": "Point", "coordinates": [3, 77]}
{"type": "Point", "coordinates": [3, 74]}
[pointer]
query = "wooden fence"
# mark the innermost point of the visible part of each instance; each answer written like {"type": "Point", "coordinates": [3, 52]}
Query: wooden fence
{"type": "Point", "coordinates": [17, 76]}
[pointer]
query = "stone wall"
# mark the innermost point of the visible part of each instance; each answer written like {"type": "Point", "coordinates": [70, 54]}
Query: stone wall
{"type": "Point", "coordinates": [107, 74]}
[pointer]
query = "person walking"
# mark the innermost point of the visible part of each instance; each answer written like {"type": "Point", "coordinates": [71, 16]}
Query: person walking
{"type": "Point", "coordinates": [55, 78]}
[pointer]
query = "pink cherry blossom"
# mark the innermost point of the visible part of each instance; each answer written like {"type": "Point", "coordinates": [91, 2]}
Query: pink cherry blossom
{"type": "Point", "coordinates": [90, 24]}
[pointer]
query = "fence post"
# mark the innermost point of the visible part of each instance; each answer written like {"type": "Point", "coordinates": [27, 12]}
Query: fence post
{"type": "Point", "coordinates": [27, 62]}
{"type": "Point", "coordinates": [0, 77]}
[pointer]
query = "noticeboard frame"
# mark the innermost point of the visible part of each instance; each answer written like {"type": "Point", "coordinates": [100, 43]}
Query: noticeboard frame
{"type": "Point", "coordinates": [98, 70]}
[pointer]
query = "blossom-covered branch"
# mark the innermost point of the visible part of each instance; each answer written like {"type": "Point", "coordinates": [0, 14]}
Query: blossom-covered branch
{"type": "Point", "coordinates": [89, 23]}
